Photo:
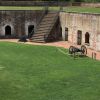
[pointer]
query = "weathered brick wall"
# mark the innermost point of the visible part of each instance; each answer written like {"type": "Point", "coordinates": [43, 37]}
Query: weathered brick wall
{"type": "Point", "coordinates": [90, 4]}
{"type": "Point", "coordinates": [32, 3]}
{"type": "Point", "coordinates": [84, 22]}
{"type": "Point", "coordinates": [19, 21]}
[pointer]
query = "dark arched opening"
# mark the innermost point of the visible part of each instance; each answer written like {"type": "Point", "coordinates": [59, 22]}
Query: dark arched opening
{"type": "Point", "coordinates": [7, 30]}
{"type": "Point", "coordinates": [79, 37]}
{"type": "Point", "coordinates": [87, 36]}
{"type": "Point", "coordinates": [30, 31]}
{"type": "Point", "coordinates": [66, 34]}
{"type": "Point", "coordinates": [60, 33]}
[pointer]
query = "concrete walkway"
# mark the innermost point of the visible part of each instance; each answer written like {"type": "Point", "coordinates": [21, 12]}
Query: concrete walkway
{"type": "Point", "coordinates": [90, 53]}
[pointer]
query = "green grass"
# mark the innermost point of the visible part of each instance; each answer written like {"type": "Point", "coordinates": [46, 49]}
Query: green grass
{"type": "Point", "coordinates": [20, 8]}
{"type": "Point", "coordinates": [82, 9]}
{"type": "Point", "coordinates": [26, 8]}
{"type": "Point", "coordinates": [43, 73]}
{"type": "Point", "coordinates": [66, 9]}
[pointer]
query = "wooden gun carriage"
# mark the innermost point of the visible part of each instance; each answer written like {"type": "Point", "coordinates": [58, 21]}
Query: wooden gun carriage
{"type": "Point", "coordinates": [74, 50]}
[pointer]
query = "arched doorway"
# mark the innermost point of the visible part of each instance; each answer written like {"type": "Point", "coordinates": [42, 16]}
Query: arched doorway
{"type": "Point", "coordinates": [87, 36]}
{"type": "Point", "coordinates": [30, 31]}
{"type": "Point", "coordinates": [79, 37]}
{"type": "Point", "coordinates": [8, 30]}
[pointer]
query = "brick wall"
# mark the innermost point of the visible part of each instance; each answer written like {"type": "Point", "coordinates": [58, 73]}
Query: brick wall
{"type": "Point", "coordinates": [19, 21]}
{"type": "Point", "coordinates": [85, 23]}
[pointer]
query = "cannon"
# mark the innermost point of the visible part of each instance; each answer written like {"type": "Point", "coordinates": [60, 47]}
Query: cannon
{"type": "Point", "coordinates": [23, 38]}
{"type": "Point", "coordinates": [74, 50]}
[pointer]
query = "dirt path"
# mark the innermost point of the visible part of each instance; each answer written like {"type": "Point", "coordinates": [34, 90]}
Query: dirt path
{"type": "Point", "coordinates": [58, 44]}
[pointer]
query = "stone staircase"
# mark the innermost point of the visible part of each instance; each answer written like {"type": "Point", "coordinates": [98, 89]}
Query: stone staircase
{"type": "Point", "coordinates": [45, 27]}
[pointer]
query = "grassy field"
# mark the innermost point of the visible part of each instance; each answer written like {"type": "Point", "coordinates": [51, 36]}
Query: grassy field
{"type": "Point", "coordinates": [27, 8]}
{"type": "Point", "coordinates": [82, 9]}
{"type": "Point", "coordinates": [66, 9]}
{"type": "Point", "coordinates": [43, 73]}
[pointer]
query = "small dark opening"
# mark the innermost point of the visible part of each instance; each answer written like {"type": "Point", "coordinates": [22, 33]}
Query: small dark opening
{"type": "Point", "coordinates": [7, 30]}
{"type": "Point", "coordinates": [87, 36]}
{"type": "Point", "coordinates": [79, 37]}
{"type": "Point", "coordinates": [30, 31]}
{"type": "Point", "coordinates": [61, 32]}
{"type": "Point", "coordinates": [66, 34]}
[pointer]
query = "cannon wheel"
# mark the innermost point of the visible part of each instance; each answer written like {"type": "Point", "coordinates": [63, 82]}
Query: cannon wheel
{"type": "Point", "coordinates": [84, 50]}
{"type": "Point", "coordinates": [71, 50]}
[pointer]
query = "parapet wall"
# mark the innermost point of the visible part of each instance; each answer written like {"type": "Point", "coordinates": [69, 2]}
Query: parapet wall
{"type": "Point", "coordinates": [33, 3]}
{"type": "Point", "coordinates": [86, 23]}
{"type": "Point", "coordinates": [97, 5]}
{"type": "Point", "coordinates": [45, 3]}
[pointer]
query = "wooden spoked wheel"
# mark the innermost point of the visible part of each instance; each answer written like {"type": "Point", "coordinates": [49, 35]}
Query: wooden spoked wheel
{"type": "Point", "coordinates": [71, 49]}
{"type": "Point", "coordinates": [83, 50]}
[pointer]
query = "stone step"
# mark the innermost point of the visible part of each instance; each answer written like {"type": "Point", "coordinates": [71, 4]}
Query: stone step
{"type": "Point", "coordinates": [38, 33]}
{"type": "Point", "coordinates": [46, 22]}
{"type": "Point", "coordinates": [37, 37]}
{"type": "Point", "coordinates": [50, 14]}
{"type": "Point", "coordinates": [47, 19]}
{"type": "Point", "coordinates": [45, 25]}
{"type": "Point", "coordinates": [42, 31]}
